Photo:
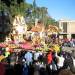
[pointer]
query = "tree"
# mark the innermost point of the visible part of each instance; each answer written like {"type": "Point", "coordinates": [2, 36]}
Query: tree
{"type": "Point", "coordinates": [7, 2]}
{"type": "Point", "coordinates": [10, 8]}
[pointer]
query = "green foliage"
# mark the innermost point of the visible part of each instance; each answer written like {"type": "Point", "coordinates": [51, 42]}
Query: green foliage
{"type": "Point", "coordinates": [15, 7]}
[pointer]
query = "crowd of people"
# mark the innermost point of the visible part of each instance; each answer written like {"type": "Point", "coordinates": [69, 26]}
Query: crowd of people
{"type": "Point", "coordinates": [37, 63]}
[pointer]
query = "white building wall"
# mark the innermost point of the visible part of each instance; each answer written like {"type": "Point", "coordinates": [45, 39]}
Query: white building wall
{"type": "Point", "coordinates": [70, 27]}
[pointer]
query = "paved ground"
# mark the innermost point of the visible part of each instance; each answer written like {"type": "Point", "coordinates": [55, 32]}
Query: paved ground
{"type": "Point", "coordinates": [65, 72]}
{"type": "Point", "coordinates": [69, 49]}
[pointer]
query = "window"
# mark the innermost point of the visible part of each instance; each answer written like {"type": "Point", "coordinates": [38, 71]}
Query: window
{"type": "Point", "coordinates": [65, 27]}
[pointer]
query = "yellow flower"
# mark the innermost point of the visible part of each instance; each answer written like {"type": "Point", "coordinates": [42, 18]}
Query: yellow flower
{"type": "Point", "coordinates": [56, 48]}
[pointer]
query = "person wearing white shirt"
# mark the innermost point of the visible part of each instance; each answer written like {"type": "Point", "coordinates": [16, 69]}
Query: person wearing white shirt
{"type": "Point", "coordinates": [28, 56]}
{"type": "Point", "coordinates": [36, 55]}
{"type": "Point", "coordinates": [60, 61]}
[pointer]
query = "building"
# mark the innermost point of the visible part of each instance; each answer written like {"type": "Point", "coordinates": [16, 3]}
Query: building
{"type": "Point", "coordinates": [68, 28]}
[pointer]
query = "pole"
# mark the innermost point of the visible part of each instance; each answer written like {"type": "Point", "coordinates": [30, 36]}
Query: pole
{"type": "Point", "coordinates": [34, 7]}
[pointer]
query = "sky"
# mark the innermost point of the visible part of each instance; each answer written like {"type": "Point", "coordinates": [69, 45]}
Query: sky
{"type": "Point", "coordinates": [58, 9]}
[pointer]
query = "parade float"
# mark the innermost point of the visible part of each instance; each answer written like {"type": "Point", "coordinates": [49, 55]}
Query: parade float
{"type": "Point", "coordinates": [53, 33]}
{"type": "Point", "coordinates": [35, 39]}
{"type": "Point", "coordinates": [38, 34]}
{"type": "Point", "coordinates": [19, 28]}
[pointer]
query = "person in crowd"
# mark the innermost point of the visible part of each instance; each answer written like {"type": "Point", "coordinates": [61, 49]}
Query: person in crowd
{"type": "Point", "coordinates": [60, 62]}
{"type": "Point", "coordinates": [28, 56]}
{"type": "Point", "coordinates": [36, 68]}
{"type": "Point", "coordinates": [42, 69]}
{"type": "Point", "coordinates": [36, 55]}
{"type": "Point", "coordinates": [40, 58]}
{"type": "Point", "coordinates": [2, 69]}
{"type": "Point", "coordinates": [25, 68]}
{"type": "Point", "coordinates": [68, 63]}
{"type": "Point", "coordinates": [18, 68]}
{"type": "Point", "coordinates": [49, 62]}
{"type": "Point", "coordinates": [9, 59]}
{"type": "Point", "coordinates": [49, 57]}
{"type": "Point", "coordinates": [65, 72]}
{"type": "Point", "coordinates": [73, 53]}
{"type": "Point", "coordinates": [73, 56]}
